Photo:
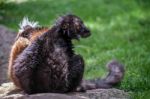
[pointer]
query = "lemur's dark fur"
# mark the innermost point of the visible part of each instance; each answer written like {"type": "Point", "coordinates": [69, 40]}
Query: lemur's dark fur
{"type": "Point", "coordinates": [49, 64]}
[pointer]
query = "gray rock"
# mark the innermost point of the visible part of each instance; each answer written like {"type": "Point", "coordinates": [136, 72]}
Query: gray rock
{"type": "Point", "coordinates": [6, 40]}
{"type": "Point", "coordinates": [8, 91]}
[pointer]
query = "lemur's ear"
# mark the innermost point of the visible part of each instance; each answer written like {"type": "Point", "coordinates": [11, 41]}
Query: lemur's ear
{"type": "Point", "coordinates": [59, 21]}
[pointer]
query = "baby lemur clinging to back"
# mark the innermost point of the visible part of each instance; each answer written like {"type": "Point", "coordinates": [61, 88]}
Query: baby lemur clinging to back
{"type": "Point", "coordinates": [28, 32]}
{"type": "Point", "coordinates": [48, 63]}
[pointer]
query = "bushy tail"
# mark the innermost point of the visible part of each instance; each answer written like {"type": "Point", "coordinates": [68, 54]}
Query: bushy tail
{"type": "Point", "coordinates": [114, 77]}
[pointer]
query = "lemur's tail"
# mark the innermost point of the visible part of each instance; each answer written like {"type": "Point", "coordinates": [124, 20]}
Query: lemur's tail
{"type": "Point", "coordinates": [114, 77]}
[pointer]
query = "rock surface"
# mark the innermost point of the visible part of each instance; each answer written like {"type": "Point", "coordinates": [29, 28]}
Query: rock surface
{"type": "Point", "coordinates": [8, 91]}
{"type": "Point", "coordinates": [6, 40]}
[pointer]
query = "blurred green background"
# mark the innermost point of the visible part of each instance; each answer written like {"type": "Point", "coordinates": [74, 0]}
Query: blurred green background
{"type": "Point", "coordinates": [120, 30]}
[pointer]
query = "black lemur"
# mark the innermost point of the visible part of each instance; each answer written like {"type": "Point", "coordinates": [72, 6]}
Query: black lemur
{"type": "Point", "coordinates": [49, 63]}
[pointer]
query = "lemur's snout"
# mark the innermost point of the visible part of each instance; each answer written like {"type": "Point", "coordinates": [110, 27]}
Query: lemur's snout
{"type": "Point", "coordinates": [85, 32]}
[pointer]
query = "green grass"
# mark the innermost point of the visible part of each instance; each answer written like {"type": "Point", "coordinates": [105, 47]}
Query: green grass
{"type": "Point", "coordinates": [120, 30]}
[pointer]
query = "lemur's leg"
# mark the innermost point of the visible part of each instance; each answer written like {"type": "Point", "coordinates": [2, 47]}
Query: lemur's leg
{"type": "Point", "coordinates": [76, 70]}
{"type": "Point", "coordinates": [25, 65]}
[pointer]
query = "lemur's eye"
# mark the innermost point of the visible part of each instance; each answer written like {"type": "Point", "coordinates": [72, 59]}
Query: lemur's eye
{"type": "Point", "coordinates": [65, 26]}
{"type": "Point", "coordinates": [25, 34]}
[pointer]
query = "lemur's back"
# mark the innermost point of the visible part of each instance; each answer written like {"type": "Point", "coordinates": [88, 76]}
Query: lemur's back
{"type": "Point", "coordinates": [54, 66]}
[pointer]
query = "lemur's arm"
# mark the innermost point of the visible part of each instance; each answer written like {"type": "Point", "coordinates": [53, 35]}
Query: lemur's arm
{"type": "Point", "coordinates": [76, 70]}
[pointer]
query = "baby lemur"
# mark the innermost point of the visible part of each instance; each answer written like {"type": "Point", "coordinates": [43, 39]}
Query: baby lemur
{"type": "Point", "coordinates": [43, 60]}
{"type": "Point", "coordinates": [28, 32]}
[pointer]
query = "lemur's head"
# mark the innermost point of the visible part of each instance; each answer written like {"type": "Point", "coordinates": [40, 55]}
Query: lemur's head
{"type": "Point", "coordinates": [26, 33]}
{"type": "Point", "coordinates": [30, 29]}
{"type": "Point", "coordinates": [32, 33]}
{"type": "Point", "coordinates": [72, 26]}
